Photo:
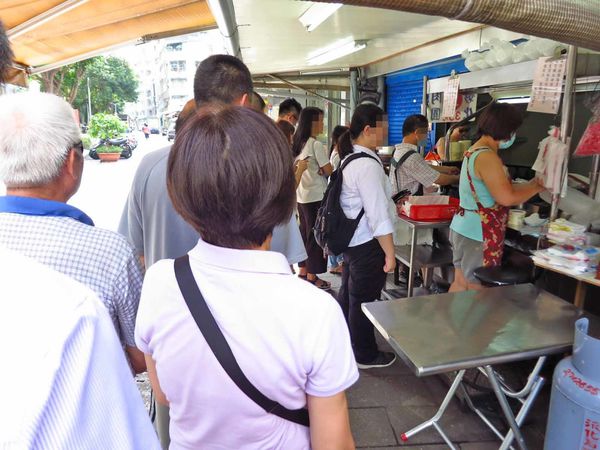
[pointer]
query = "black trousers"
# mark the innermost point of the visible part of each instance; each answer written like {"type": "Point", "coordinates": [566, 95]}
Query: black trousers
{"type": "Point", "coordinates": [363, 279]}
{"type": "Point", "coordinates": [316, 262]}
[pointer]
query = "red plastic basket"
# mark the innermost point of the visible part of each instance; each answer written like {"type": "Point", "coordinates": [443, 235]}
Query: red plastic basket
{"type": "Point", "coordinates": [434, 212]}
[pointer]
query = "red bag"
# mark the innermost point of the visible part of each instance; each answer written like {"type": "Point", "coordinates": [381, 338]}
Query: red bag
{"type": "Point", "coordinates": [590, 141]}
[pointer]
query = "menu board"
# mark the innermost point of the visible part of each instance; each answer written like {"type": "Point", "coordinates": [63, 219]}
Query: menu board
{"type": "Point", "coordinates": [547, 85]}
{"type": "Point", "coordinates": [450, 99]}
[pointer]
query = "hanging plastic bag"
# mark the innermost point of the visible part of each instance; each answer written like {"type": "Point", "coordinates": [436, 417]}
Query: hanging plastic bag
{"type": "Point", "coordinates": [589, 144]}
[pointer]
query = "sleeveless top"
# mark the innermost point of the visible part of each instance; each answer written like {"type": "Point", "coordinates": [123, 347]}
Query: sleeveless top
{"type": "Point", "coordinates": [469, 224]}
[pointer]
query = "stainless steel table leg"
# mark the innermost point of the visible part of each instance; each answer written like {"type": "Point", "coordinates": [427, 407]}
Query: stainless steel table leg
{"type": "Point", "coordinates": [411, 270]}
{"type": "Point", "coordinates": [505, 407]}
{"type": "Point", "coordinates": [433, 422]}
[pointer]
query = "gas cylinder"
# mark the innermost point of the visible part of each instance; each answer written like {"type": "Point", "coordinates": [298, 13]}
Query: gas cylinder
{"type": "Point", "coordinates": [574, 417]}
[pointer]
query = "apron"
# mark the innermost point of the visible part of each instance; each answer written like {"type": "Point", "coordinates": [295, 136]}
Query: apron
{"type": "Point", "coordinates": [493, 224]}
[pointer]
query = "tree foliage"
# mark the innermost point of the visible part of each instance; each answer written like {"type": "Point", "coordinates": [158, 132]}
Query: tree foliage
{"type": "Point", "coordinates": [112, 83]}
{"type": "Point", "coordinates": [105, 126]}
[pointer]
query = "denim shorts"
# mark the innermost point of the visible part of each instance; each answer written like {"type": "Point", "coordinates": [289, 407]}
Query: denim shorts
{"type": "Point", "coordinates": [467, 255]}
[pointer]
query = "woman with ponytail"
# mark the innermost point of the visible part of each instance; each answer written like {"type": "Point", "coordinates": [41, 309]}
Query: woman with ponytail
{"type": "Point", "coordinates": [311, 189]}
{"type": "Point", "coordinates": [370, 254]}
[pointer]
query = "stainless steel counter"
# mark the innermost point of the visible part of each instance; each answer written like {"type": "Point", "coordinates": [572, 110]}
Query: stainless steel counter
{"type": "Point", "coordinates": [442, 333]}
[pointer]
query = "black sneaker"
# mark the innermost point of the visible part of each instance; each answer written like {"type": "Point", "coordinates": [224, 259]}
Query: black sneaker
{"type": "Point", "coordinates": [383, 359]}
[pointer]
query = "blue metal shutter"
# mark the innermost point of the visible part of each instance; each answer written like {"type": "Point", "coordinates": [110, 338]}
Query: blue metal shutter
{"type": "Point", "coordinates": [405, 93]}
{"type": "Point", "coordinates": [403, 100]}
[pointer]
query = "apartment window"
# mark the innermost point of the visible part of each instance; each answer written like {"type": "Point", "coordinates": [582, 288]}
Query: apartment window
{"type": "Point", "coordinates": [178, 82]}
{"type": "Point", "coordinates": [175, 47]}
{"type": "Point", "coordinates": [177, 66]}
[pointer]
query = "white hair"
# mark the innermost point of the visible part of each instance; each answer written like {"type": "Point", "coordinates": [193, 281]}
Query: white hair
{"type": "Point", "coordinates": [37, 130]}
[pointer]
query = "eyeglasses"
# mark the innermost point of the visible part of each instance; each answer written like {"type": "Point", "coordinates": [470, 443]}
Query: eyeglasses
{"type": "Point", "coordinates": [78, 146]}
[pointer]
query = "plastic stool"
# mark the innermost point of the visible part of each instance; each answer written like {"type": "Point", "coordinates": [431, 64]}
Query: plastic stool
{"type": "Point", "coordinates": [502, 275]}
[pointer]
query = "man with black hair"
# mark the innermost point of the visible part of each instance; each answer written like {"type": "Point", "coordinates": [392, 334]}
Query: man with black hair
{"type": "Point", "coordinates": [149, 220]}
{"type": "Point", "coordinates": [289, 110]}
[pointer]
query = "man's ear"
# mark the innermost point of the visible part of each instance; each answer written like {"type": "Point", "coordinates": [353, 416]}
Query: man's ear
{"type": "Point", "coordinates": [72, 163]}
{"type": "Point", "coordinates": [244, 100]}
{"type": "Point", "coordinates": [367, 130]}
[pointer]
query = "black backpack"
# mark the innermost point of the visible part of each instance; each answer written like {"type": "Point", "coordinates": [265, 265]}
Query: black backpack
{"type": "Point", "coordinates": [333, 230]}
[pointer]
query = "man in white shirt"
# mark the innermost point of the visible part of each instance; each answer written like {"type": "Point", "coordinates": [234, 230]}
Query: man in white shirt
{"type": "Point", "coordinates": [67, 383]}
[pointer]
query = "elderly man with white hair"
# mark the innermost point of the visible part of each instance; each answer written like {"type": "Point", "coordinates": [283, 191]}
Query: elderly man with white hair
{"type": "Point", "coordinates": [41, 164]}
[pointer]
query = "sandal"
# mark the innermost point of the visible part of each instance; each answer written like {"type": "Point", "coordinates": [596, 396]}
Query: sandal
{"type": "Point", "coordinates": [321, 284]}
{"type": "Point", "coordinates": [337, 270]}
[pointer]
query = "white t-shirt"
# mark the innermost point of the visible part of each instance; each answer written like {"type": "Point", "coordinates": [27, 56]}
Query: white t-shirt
{"type": "Point", "coordinates": [312, 185]}
{"type": "Point", "coordinates": [289, 338]}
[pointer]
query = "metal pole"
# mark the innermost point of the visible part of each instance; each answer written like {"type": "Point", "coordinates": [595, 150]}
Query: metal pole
{"type": "Point", "coordinates": [566, 120]}
{"type": "Point", "coordinates": [381, 90]}
{"type": "Point", "coordinates": [594, 176]}
{"type": "Point", "coordinates": [89, 100]}
{"type": "Point", "coordinates": [353, 90]}
{"type": "Point", "coordinates": [316, 94]}
{"type": "Point", "coordinates": [424, 105]}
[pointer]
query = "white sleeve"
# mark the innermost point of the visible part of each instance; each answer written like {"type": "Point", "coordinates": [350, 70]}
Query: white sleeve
{"type": "Point", "coordinates": [95, 400]}
{"type": "Point", "coordinates": [320, 153]}
{"type": "Point", "coordinates": [333, 367]}
{"type": "Point", "coordinates": [372, 190]}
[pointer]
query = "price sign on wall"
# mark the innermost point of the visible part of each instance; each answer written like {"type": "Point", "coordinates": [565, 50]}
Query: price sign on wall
{"type": "Point", "coordinates": [466, 104]}
{"type": "Point", "coordinates": [450, 100]}
{"type": "Point", "coordinates": [547, 85]}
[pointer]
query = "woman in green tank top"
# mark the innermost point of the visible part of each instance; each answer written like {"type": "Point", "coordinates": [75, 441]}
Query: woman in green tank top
{"type": "Point", "coordinates": [486, 192]}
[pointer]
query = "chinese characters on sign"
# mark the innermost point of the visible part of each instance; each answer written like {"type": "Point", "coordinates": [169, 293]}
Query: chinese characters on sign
{"type": "Point", "coordinates": [450, 99]}
{"type": "Point", "coordinates": [466, 104]}
{"type": "Point", "coordinates": [547, 85]}
{"type": "Point", "coordinates": [591, 435]}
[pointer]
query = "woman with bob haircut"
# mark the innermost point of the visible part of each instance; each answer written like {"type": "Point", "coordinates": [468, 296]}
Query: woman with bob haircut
{"type": "Point", "coordinates": [486, 192]}
{"type": "Point", "coordinates": [230, 176]}
{"type": "Point", "coordinates": [370, 254]}
{"type": "Point", "coordinates": [311, 190]}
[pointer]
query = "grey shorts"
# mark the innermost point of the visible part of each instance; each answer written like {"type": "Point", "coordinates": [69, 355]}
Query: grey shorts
{"type": "Point", "coordinates": [467, 255]}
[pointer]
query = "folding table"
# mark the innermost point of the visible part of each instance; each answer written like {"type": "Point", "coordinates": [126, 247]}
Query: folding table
{"type": "Point", "coordinates": [437, 334]}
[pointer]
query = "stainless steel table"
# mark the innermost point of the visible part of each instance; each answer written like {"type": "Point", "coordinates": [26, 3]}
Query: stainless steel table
{"type": "Point", "coordinates": [411, 251]}
{"type": "Point", "coordinates": [477, 329]}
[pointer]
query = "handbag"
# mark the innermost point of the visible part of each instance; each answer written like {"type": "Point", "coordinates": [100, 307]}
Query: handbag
{"type": "Point", "coordinates": [219, 346]}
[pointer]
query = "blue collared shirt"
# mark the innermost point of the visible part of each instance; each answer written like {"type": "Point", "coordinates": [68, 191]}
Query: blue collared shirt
{"type": "Point", "coordinates": [40, 207]}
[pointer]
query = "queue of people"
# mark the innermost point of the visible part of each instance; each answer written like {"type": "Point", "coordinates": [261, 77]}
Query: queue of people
{"type": "Point", "coordinates": [240, 352]}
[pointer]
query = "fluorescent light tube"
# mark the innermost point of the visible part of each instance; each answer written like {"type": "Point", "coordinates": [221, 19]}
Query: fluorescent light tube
{"type": "Point", "coordinates": [317, 13]}
{"type": "Point", "coordinates": [514, 100]}
{"type": "Point", "coordinates": [336, 51]}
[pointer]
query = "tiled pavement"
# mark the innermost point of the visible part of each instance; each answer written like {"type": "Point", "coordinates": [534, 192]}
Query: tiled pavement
{"type": "Point", "coordinates": [384, 403]}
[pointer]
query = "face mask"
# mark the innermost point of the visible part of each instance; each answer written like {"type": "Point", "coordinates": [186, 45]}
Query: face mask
{"type": "Point", "coordinates": [506, 144]}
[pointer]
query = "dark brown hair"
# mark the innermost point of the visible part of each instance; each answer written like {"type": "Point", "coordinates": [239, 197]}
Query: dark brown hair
{"type": "Point", "coordinates": [337, 132]}
{"type": "Point", "coordinates": [230, 176]}
{"type": "Point", "coordinates": [303, 132]}
{"type": "Point", "coordinates": [499, 121]}
{"type": "Point", "coordinates": [365, 114]}
{"type": "Point", "coordinates": [221, 78]}
{"type": "Point", "coordinates": [287, 129]}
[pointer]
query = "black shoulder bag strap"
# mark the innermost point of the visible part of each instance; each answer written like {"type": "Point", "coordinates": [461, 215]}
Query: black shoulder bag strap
{"type": "Point", "coordinates": [218, 344]}
{"type": "Point", "coordinates": [399, 164]}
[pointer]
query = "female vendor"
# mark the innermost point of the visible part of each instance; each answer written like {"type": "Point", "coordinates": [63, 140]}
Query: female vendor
{"type": "Point", "coordinates": [486, 193]}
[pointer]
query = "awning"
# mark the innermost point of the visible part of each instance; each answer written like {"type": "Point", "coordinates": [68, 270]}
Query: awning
{"type": "Point", "coordinates": [49, 33]}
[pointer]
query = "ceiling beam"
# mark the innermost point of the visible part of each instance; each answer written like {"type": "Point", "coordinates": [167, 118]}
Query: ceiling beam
{"type": "Point", "coordinates": [44, 17]}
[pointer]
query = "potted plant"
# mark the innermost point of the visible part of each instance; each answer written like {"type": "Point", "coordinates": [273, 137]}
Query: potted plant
{"type": "Point", "coordinates": [105, 127]}
{"type": "Point", "coordinates": [108, 153]}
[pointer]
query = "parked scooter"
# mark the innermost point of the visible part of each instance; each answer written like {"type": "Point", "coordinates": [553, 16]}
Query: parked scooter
{"type": "Point", "coordinates": [126, 149]}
